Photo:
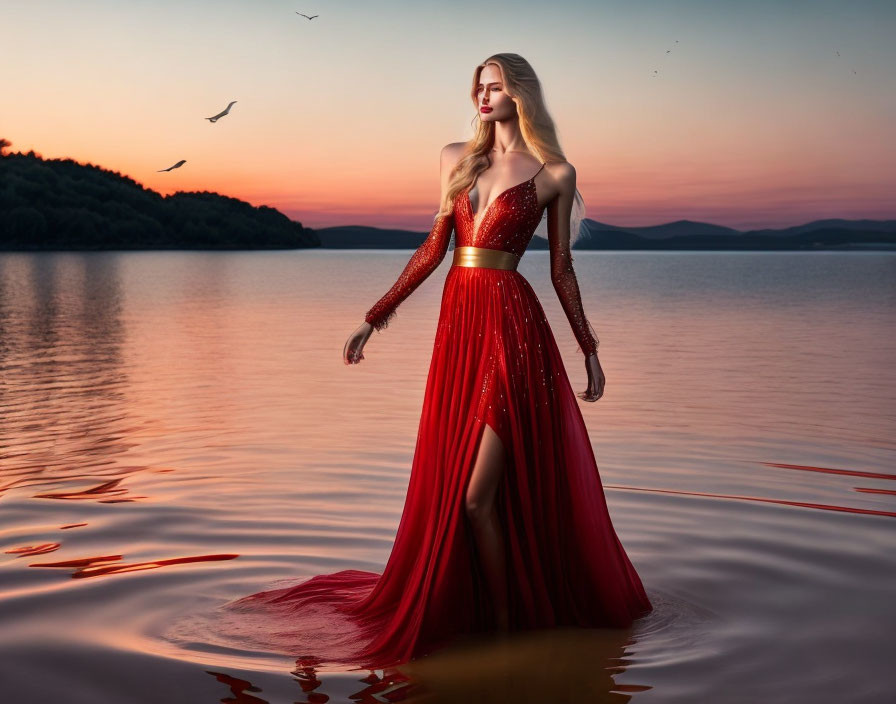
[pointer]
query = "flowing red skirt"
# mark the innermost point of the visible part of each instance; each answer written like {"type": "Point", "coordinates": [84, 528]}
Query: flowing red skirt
{"type": "Point", "coordinates": [495, 361]}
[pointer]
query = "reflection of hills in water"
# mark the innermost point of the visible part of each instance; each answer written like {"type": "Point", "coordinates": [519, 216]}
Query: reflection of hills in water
{"type": "Point", "coordinates": [67, 420]}
{"type": "Point", "coordinates": [65, 413]}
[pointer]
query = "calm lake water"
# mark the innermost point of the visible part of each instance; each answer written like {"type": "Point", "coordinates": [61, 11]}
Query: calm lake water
{"type": "Point", "coordinates": [178, 430]}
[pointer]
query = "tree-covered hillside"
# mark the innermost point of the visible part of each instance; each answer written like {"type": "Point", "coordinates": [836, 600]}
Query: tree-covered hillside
{"type": "Point", "coordinates": [60, 204]}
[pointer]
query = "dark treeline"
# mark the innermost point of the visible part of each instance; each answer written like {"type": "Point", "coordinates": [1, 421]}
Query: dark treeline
{"type": "Point", "coordinates": [61, 204]}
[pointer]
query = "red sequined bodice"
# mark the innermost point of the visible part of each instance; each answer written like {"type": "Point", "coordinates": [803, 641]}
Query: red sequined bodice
{"type": "Point", "coordinates": [507, 224]}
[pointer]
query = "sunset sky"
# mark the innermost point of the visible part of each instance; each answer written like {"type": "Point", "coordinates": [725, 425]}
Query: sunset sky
{"type": "Point", "coordinates": [752, 121]}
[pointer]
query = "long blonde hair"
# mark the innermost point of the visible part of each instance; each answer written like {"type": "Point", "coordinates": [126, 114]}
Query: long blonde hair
{"type": "Point", "coordinates": [536, 125]}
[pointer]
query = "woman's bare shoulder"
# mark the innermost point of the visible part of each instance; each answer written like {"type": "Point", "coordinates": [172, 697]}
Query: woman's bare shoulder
{"type": "Point", "coordinates": [452, 153]}
{"type": "Point", "coordinates": [562, 171]}
{"type": "Point", "coordinates": [455, 148]}
{"type": "Point", "coordinates": [562, 176]}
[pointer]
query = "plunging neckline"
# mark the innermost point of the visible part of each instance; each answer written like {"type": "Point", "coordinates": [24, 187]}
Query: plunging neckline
{"type": "Point", "coordinates": [496, 199]}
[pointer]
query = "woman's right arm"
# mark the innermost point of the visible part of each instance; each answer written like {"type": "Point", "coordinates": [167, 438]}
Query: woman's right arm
{"type": "Point", "coordinates": [424, 261]}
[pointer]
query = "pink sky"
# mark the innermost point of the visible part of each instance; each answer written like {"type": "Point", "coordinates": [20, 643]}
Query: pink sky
{"type": "Point", "coordinates": [752, 121]}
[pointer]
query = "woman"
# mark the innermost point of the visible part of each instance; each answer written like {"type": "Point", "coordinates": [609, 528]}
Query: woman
{"type": "Point", "coordinates": [505, 525]}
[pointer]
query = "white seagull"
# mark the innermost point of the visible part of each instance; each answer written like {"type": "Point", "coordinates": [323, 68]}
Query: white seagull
{"type": "Point", "coordinates": [176, 166]}
{"type": "Point", "coordinates": [221, 114]}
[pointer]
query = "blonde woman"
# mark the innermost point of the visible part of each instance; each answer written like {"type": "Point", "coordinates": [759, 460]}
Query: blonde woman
{"type": "Point", "coordinates": [505, 525]}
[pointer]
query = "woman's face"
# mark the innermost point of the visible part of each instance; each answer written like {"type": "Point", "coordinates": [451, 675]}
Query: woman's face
{"type": "Point", "coordinates": [493, 103]}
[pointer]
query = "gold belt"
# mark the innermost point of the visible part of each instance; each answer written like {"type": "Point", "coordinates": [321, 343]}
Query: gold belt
{"type": "Point", "coordinates": [483, 256]}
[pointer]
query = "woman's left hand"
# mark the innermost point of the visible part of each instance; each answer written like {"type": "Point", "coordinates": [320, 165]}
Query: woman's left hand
{"type": "Point", "coordinates": [596, 379]}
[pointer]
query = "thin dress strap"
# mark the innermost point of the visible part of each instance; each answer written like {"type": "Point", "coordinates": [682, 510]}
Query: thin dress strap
{"type": "Point", "coordinates": [539, 171]}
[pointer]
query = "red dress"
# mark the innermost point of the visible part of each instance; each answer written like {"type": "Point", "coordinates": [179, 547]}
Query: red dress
{"type": "Point", "coordinates": [494, 361]}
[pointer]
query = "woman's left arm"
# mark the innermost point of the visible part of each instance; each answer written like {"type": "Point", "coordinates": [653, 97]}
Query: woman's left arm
{"type": "Point", "coordinates": [563, 276]}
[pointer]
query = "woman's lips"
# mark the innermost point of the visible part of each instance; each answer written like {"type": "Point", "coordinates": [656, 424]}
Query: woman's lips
{"type": "Point", "coordinates": [485, 108]}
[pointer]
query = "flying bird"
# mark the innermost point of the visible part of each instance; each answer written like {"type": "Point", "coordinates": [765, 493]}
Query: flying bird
{"type": "Point", "coordinates": [306, 16]}
{"type": "Point", "coordinates": [852, 69]}
{"type": "Point", "coordinates": [668, 51]}
{"type": "Point", "coordinates": [221, 114]}
{"type": "Point", "coordinates": [176, 166]}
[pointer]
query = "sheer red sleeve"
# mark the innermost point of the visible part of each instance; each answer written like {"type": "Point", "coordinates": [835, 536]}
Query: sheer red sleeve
{"type": "Point", "coordinates": [422, 263]}
{"type": "Point", "coordinates": [567, 287]}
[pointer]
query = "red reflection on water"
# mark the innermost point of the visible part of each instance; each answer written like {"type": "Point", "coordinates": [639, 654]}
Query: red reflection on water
{"type": "Point", "coordinates": [803, 504]}
{"type": "Point", "coordinates": [33, 549]}
{"type": "Point", "coordinates": [889, 492]}
{"type": "Point", "coordinates": [393, 686]}
{"type": "Point", "coordinates": [238, 687]}
{"type": "Point", "coordinates": [106, 488]}
{"type": "Point", "coordinates": [828, 470]}
{"type": "Point", "coordinates": [79, 562]}
{"type": "Point", "coordinates": [72, 525]}
{"type": "Point", "coordinates": [96, 566]}
{"type": "Point", "coordinates": [632, 688]}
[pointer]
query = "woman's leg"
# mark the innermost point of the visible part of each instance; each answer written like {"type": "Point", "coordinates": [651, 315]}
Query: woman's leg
{"type": "Point", "coordinates": [480, 506]}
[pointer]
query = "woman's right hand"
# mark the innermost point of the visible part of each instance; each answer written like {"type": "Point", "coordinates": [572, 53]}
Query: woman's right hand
{"type": "Point", "coordinates": [353, 352]}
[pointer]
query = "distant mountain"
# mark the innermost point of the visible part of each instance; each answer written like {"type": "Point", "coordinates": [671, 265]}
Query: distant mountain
{"type": "Point", "coordinates": [60, 204]}
{"type": "Point", "coordinates": [362, 237]}
{"type": "Point", "coordinates": [833, 224]}
{"type": "Point", "coordinates": [670, 229]}
{"type": "Point", "coordinates": [765, 240]}
{"type": "Point", "coordinates": [679, 235]}
{"type": "Point", "coordinates": [684, 235]}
